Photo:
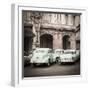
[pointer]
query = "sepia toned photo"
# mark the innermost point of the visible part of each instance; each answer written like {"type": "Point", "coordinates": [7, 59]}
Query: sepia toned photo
{"type": "Point", "coordinates": [51, 43]}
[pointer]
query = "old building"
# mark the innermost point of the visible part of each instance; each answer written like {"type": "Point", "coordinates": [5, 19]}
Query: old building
{"type": "Point", "coordinates": [51, 30]}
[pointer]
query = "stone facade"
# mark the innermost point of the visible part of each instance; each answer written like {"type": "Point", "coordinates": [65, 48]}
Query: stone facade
{"type": "Point", "coordinates": [51, 30]}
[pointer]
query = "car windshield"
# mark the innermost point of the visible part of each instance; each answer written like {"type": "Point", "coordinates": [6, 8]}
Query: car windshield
{"type": "Point", "coordinates": [40, 51]}
{"type": "Point", "coordinates": [59, 52]}
{"type": "Point", "coordinates": [69, 52]}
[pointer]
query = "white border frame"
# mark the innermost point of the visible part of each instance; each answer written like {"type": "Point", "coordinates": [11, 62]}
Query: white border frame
{"type": "Point", "coordinates": [16, 41]}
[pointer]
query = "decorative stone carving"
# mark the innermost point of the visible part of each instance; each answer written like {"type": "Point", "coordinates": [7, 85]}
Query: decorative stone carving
{"type": "Point", "coordinates": [58, 25]}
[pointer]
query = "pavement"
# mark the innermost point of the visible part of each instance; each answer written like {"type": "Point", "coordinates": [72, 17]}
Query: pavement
{"type": "Point", "coordinates": [53, 70]}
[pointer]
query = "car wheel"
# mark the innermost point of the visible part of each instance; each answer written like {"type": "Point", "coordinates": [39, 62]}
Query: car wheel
{"type": "Point", "coordinates": [34, 64]}
{"type": "Point", "coordinates": [48, 62]}
{"type": "Point", "coordinates": [57, 59]}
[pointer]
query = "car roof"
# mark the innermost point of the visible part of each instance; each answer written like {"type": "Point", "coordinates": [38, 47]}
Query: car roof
{"type": "Point", "coordinates": [70, 50]}
{"type": "Point", "coordinates": [43, 49]}
{"type": "Point", "coordinates": [58, 49]}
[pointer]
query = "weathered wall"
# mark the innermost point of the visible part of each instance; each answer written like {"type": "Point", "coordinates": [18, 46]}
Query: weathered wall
{"type": "Point", "coordinates": [55, 24]}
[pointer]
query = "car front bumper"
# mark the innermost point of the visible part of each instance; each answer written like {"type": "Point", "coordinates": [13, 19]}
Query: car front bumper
{"type": "Point", "coordinates": [38, 61]}
{"type": "Point", "coordinates": [66, 60]}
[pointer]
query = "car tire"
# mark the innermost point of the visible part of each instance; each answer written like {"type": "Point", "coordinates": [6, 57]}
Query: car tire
{"type": "Point", "coordinates": [34, 64]}
{"type": "Point", "coordinates": [57, 59]}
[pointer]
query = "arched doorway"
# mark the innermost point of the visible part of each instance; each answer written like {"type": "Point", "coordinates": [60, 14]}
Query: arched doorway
{"type": "Point", "coordinates": [27, 43]}
{"type": "Point", "coordinates": [28, 38]}
{"type": "Point", "coordinates": [46, 41]}
{"type": "Point", "coordinates": [66, 42]}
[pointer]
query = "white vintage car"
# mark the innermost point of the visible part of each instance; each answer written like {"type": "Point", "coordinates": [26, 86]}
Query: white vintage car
{"type": "Point", "coordinates": [57, 53]}
{"type": "Point", "coordinates": [76, 56]}
{"type": "Point", "coordinates": [27, 58]}
{"type": "Point", "coordinates": [69, 56]}
{"type": "Point", "coordinates": [42, 56]}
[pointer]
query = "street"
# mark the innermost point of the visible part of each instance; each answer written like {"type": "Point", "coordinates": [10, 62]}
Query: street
{"type": "Point", "coordinates": [53, 70]}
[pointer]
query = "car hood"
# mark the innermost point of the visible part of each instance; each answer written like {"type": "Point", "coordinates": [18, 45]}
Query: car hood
{"type": "Point", "coordinates": [39, 55]}
{"type": "Point", "coordinates": [66, 56]}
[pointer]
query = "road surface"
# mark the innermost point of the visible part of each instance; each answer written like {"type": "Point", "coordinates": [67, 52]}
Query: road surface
{"type": "Point", "coordinates": [53, 70]}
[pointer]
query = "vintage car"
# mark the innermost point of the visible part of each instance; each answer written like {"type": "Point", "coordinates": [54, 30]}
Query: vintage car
{"type": "Point", "coordinates": [27, 58]}
{"type": "Point", "coordinates": [57, 53]}
{"type": "Point", "coordinates": [76, 56]}
{"type": "Point", "coordinates": [26, 61]}
{"type": "Point", "coordinates": [69, 56]}
{"type": "Point", "coordinates": [42, 56]}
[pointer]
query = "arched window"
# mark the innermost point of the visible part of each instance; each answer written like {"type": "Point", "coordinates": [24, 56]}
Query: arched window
{"type": "Point", "coordinates": [66, 42]}
{"type": "Point", "coordinates": [46, 41]}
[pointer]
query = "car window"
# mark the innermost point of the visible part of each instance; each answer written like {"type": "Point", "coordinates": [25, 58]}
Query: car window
{"type": "Point", "coordinates": [59, 52]}
{"type": "Point", "coordinates": [40, 51]}
{"type": "Point", "coordinates": [50, 51]}
{"type": "Point", "coordinates": [69, 52]}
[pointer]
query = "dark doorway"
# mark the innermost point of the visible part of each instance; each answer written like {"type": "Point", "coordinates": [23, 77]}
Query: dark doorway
{"type": "Point", "coordinates": [27, 44]}
{"type": "Point", "coordinates": [66, 42]}
{"type": "Point", "coordinates": [28, 38]}
{"type": "Point", "coordinates": [46, 41]}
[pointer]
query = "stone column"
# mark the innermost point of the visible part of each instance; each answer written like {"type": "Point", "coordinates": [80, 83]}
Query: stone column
{"type": "Point", "coordinates": [38, 35]}
{"type": "Point", "coordinates": [28, 16]}
{"type": "Point", "coordinates": [77, 20]}
{"type": "Point", "coordinates": [60, 41]}
{"type": "Point", "coordinates": [63, 19]}
{"type": "Point", "coordinates": [59, 19]}
{"type": "Point", "coordinates": [73, 41]}
{"type": "Point", "coordinates": [34, 38]}
{"type": "Point", "coordinates": [57, 41]}
{"type": "Point", "coordinates": [70, 19]}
